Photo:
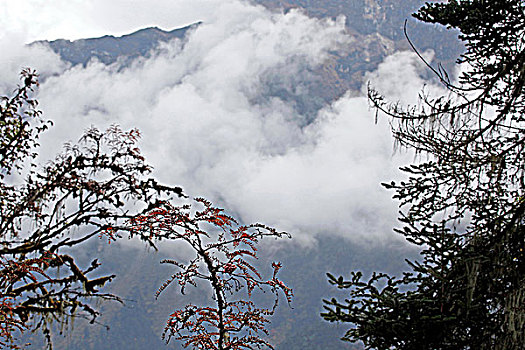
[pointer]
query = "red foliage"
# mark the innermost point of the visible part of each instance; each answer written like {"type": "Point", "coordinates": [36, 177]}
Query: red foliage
{"type": "Point", "coordinates": [222, 250]}
{"type": "Point", "coordinates": [80, 194]}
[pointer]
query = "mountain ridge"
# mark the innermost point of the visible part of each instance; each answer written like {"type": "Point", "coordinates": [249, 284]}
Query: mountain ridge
{"type": "Point", "coordinates": [375, 25]}
{"type": "Point", "coordinates": [108, 48]}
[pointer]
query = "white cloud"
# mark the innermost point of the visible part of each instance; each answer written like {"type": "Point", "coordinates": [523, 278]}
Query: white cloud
{"type": "Point", "coordinates": [329, 185]}
{"type": "Point", "coordinates": [211, 125]}
{"type": "Point", "coordinates": [16, 56]}
{"type": "Point", "coordinates": [401, 77]}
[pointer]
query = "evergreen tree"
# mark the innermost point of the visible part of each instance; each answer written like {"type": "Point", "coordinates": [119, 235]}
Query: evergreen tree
{"type": "Point", "coordinates": [463, 202]}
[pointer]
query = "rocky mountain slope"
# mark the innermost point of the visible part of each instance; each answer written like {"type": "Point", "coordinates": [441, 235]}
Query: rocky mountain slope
{"type": "Point", "coordinates": [375, 25]}
{"type": "Point", "coordinates": [108, 49]}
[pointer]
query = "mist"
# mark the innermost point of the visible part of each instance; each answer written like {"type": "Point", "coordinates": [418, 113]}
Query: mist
{"type": "Point", "coordinates": [211, 123]}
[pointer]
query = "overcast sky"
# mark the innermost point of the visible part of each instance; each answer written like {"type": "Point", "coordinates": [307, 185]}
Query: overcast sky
{"type": "Point", "coordinates": [73, 19]}
{"type": "Point", "coordinates": [207, 119]}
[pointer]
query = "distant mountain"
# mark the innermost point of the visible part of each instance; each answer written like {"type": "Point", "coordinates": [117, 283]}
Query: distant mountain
{"type": "Point", "coordinates": [364, 17]}
{"type": "Point", "coordinates": [376, 25]}
{"type": "Point", "coordinates": [108, 49]}
{"type": "Point", "coordinates": [138, 324]}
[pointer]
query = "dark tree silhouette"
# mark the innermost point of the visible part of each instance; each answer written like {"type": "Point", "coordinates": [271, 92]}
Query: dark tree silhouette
{"type": "Point", "coordinates": [99, 183]}
{"type": "Point", "coordinates": [463, 202]}
{"type": "Point", "coordinates": [223, 250]}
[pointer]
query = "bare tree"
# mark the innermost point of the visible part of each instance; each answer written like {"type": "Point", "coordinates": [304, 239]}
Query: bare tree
{"type": "Point", "coordinates": [91, 189]}
{"type": "Point", "coordinates": [223, 250]}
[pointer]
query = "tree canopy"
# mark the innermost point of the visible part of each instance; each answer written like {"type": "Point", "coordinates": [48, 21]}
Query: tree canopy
{"type": "Point", "coordinates": [224, 255]}
{"type": "Point", "coordinates": [99, 183]}
{"type": "Point", "coordinates": [463, 201]}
